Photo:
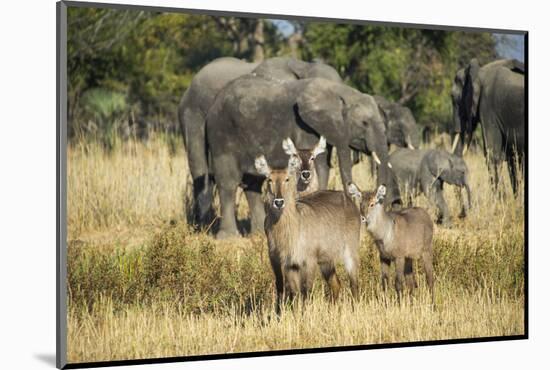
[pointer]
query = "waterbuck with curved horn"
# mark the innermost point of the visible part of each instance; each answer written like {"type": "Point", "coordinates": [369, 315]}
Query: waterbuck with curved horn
{"type": "Point", "coordinates": [401, 236]}
{"type": "Point", "coordinates": [317, 230]}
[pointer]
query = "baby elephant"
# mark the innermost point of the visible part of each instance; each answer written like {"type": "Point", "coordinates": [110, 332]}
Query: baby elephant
{"type": "Point", "coordinates": [401, 236]}
{"type": "Point", "coordinates": [428, 170]}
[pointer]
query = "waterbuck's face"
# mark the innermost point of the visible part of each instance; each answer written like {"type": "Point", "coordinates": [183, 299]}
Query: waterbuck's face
{"type": "Point", "coordinates": [370, 202]}
{"type": "Point", "coordinates": [280, 183]}
{"type": "Point", "coordinates": [306, 175]}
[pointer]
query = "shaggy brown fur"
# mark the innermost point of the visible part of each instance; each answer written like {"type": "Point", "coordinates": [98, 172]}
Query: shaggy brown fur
{"type": "Point", "coordinates": [401, 236]}
{"type": "Point", "coordinates": [319, 229]}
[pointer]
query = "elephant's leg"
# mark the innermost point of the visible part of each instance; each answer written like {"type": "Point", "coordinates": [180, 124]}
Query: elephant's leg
{"type": "Point", "coordinates": [462, 201]}
{"type": "Point", "coordinates": [434, 192]}
{"type": "Point", "coordinates": [513, 164]}
{"type": "Point", "coordinates": [229, 179]}
{"type": "Point", "coordinates": [322, 166]}
{"type": "Point", "coordinates": [257, 212]}
{"type": "Point", "coordinates": [228, 224]}
{"type": "Point", "coordinates": [201, 211]}
{"type": "Point", "coordinates": [253, 194]}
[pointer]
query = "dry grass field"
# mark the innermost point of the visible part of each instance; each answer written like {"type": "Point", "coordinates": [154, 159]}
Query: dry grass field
{"type": "Point", "coordinates": [143, 284]}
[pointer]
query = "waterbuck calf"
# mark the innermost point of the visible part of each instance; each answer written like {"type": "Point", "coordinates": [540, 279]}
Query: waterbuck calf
{"type": "Point", "coordinates": [307, 180]}
{"type": "Point", "coordinates": [401, 236]}
{"type": "Point", "coordinates": [319, 229]}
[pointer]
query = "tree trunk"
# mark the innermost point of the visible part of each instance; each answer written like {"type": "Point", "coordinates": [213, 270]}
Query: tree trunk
{"type": "Point", "coordinates": [259, 41]}
{"type": "Point", "coordinates": [294, 42]}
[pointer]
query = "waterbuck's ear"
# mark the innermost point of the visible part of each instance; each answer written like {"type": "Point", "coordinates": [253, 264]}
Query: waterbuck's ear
{"type": "Point", "coordinates": [294, 164]}
{"type": "Point", "coordinates": [380, 193]}
{"type": "Point", "coordinates": [288, 147]}
{"type": "Point", "coordinates": [320, 147]}
{"type": "Point", "coordinates": [262, 167]}
{"type": "Point", "coordinates": [354, 191]}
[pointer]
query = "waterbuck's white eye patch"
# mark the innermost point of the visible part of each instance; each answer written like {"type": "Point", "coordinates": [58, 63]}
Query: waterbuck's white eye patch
{"type": "Point", "coordinates": [363, 219]}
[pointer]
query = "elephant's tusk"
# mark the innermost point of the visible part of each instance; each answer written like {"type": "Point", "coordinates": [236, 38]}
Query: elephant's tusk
{"type": "Point", "coordinates": [409, 143]}
{"type": "Point", "coordinates": [455, 142]}
{"type": "Point", "coordinates": [389, 165]}
{"type": "Point", "coordinates": [465, 150]}
{"type": "Point", "coordinates": [376, 159]}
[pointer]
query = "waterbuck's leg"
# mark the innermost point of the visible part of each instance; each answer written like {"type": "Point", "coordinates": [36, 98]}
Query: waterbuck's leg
{"type": "Point", "coordinates": [427, 260]}
{"type": "Point", "coordinates": [351, 264]}
{"type": "Point", "coordinates": [292, 282]}
{"type": "Point", "coordinates": [307, 277]}
{"type": "Point", "coordinates": [399, 276]}
{"type": "Point", "coordinates": [328, 271]}
{"type": "Point", "coordinates": [279, 282]}
{"type": "Point", "coordinates": [409, 277]}
{"type": "Point", "coordinates": [385, 272]}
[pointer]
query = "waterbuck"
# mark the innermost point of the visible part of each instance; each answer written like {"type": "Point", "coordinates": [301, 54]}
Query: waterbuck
{"type": "Point", "coordinates": [307, 180]}
{"type": "Point", "coordinates": [401, 236]}
{"type": "Point", "coordinates": [319, 229]}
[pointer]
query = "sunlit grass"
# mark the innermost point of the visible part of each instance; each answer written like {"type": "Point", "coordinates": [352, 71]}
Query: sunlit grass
{"type": "Point", "coordinates": [143, 284]}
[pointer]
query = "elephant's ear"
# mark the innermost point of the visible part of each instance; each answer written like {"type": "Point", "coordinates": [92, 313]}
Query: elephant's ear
{"type": "Point", "coordinates": [384, 107]}
{"type": "Point", "coordinates": [471, 91]}
{"type": "Point", "coordinates": [516, 66]}
{"type": "Point", "coordinates": [298, 67]}
{"type": "Point", "coordinates": [322, 110]}
{"type": "Point", "coordinates": [436, 163]}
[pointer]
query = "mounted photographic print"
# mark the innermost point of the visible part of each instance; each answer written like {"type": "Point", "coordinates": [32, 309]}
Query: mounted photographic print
{"type": "Point", "coordinates": [235, 184]}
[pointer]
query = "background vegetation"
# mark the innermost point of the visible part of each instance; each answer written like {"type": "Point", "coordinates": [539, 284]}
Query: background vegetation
{"type": "Point", "coordinates": [142, 283]}
{"type": "Point", "coordinates": [146, 60]}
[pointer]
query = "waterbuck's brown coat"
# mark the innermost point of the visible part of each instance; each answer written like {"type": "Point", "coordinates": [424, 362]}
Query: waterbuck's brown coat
{"type": "Point", "coordinates": [319, 229]}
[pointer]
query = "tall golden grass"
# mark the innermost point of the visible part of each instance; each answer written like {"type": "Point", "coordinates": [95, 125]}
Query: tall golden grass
{"type": "Point", "coordinates": [143, 284]}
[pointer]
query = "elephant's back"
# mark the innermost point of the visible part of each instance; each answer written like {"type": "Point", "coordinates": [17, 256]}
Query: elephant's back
{"type": "Point", "coordinates": [407, 160]}
{"type": "Point", "coordinates": [213, 77]}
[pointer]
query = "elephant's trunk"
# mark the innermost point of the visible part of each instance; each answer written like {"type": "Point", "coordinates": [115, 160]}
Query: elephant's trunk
{"type": "Point", "coordinates": [468, 193]}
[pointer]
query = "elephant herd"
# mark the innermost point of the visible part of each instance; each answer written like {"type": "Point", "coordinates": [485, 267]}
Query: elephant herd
{"type": "Point", "coordinates": [235, 111]}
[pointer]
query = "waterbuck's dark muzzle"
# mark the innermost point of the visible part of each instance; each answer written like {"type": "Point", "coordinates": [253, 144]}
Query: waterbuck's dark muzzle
{"type": "Point", "coordinates": [306, 175]}
{"type": "Point", "coordinates": [278, 203]}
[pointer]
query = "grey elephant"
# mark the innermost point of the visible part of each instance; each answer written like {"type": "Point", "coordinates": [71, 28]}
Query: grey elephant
{"type": "Point", "coordinates": [401, 127]}
{"type": "Point", "coordinates": [198, 99]}
{"type": "Point", "coordinates": [252, 115]}
{"type": "Point", "coordinates": [427, 171]}
{"type": "Point", "coordinates": [494, 96]}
